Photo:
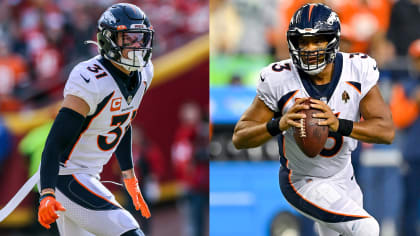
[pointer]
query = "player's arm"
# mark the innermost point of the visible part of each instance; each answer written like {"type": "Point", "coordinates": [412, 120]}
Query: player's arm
{"type": "Point", "coordinates": [252, 128]}
{"type": "Point", "coordinates": [64, 131]}
{"type": "Point", "coordinates": [124, 156]}
{"type": "Point", "coordinates": [377, 126]}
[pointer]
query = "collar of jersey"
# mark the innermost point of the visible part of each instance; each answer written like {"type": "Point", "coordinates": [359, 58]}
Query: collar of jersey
{"type": "Point", "coordinates": [311, 88]}
{"type": "Point", "coordinates": [122, 79]}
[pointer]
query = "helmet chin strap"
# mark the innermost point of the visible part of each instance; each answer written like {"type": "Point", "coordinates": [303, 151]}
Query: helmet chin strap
{"type": "Point", "coordinates": [133, 56]}
{"type": "Point", "coordinates": [310, 71]}
{"type": "Point", "coordinates": [316, 71]}
{"type": "Point", "coordinates": [131, 68]}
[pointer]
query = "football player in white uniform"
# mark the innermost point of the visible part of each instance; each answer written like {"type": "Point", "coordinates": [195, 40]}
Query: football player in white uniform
{"type": "Point", "coordinates": [341, 85]}
{"type": "Point", "coordinates": [101, 98]}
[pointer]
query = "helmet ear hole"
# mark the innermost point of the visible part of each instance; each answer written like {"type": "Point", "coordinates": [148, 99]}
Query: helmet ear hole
{"type": "Point", "coordinates": [329, 38]}
{"type": "Point", "coordinates": [107, 33]}
{"type": "Point", "coordinates": [295, 41]}
{"type": "Point", "coordinates": [101, 42]}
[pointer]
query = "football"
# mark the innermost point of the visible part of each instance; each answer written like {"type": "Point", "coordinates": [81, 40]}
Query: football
{"type": "Point", "coordinates": [311, 137]}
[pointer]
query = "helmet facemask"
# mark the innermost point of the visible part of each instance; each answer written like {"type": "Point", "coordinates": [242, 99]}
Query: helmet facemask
{"type": "Point", "coordinates": [312, 62]}
{"type": "Point", "coordinates": [131, 49]}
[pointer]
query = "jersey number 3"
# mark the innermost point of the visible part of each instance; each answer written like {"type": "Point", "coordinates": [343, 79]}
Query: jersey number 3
{"type": "Point", "coordinates": [335, 148]}
{"type": "Point", "coordinates": [117, 121]}
{"type": "Point", "coordinates": [338, 140]}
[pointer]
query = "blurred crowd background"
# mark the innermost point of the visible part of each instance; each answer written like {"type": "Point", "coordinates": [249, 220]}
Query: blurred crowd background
{"type": "Point", "coordinates": [42, 40]}
{"type": "Point", "coordinates": [248, 35]}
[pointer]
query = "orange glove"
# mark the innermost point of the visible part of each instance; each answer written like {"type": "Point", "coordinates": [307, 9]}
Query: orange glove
{"type": "Point", "coordinates": [47, 208]}
{"type": "Point", "coordinates": [133, 189]}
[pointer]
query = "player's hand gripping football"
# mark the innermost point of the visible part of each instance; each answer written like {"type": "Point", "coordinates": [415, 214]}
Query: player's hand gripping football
{"type": "Point", "coordinates": [132, 186]}
{"type": "Point", "coordinates": [329, 118]}
{"type": "Point", "coordinates": [47, 210]}
{"type": "Point", "coordinates": [290, 119]}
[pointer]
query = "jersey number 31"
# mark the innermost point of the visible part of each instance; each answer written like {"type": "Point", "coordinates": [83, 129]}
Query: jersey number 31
{"type": "Point", "coordinates": [117, 121]}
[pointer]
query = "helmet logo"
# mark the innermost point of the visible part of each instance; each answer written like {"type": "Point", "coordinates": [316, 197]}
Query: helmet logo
{"type": "Point", "coordinates": [332, 18]}
{"type": "Point", "coordinates": [109, 18]}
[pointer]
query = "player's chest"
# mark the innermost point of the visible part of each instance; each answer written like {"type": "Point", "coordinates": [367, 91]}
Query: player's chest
{"type": "Point", "coordinates": [343, 99]}
{"type": "Point", "coordinates": [116, 110]}
{"type": "Point", "coordinates": [123, 97]}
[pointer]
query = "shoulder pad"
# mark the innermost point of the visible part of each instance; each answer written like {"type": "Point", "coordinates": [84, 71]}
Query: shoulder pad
{"type": "Point", "coordinates": [366, 68]}
{"type": "Point", "coordinates": [361, 62]}
{"type": "Point", "coordinates": [81, 84]}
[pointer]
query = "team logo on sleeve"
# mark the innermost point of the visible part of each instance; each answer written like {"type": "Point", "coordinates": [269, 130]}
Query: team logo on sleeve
{"type": "Point", "coordinates": [345, 96]}
{"type": "Point", "coordinates": [116, 104]}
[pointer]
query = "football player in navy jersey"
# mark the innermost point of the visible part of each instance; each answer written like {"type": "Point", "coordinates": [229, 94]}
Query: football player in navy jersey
{"type": "Point", "coordinates": [101, 98]}
{"type": "Point", "coordinates": [344, 87]}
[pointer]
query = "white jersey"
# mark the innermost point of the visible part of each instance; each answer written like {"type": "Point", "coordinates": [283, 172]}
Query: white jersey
{"type": "Point", "coordinates": [281, 83]}
{"type": "Point", "coordinates": [112, 108]}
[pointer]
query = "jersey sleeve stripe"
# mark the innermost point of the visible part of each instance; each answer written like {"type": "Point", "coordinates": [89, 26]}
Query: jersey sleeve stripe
{"type": "Point", "coordinates": [286, 99]}
{"type": "Point", "coordinates": [355, 85]}
{"type": "Point", "coordinates": [308, 207]}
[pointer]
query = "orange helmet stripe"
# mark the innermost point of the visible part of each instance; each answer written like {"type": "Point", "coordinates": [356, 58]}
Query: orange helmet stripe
{"type": "Point", "coordinates": [310, 11]}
